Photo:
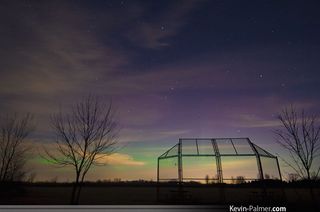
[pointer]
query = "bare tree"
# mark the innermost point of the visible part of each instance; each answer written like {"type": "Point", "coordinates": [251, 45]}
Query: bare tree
{"type": "Point", "coordinates": [13, 149]}
{"type": "Point", "coordinates": [83, 136]}
{"type": "Point", "coordinates": [300, 136]}
{"type": "Point", "coordinates": [207, 179]}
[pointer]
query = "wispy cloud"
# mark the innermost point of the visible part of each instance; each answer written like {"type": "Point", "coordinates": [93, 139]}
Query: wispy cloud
{"type": "Point", "coordinates": [151, 135]}
{"type": "Point", "coordinates": [120, 159]}
{"type": "Point", "coordinates": [253, 121]}
{"type": "Point", "coordinates": [155, 33]}
{"type": "Point", "coordinates": [60, 56]}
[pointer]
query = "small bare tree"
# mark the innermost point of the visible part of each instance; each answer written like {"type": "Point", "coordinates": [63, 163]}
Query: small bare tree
{"type": "Point", "coordinates": [207, 179]}
{"type": "Point", "coordinates": [300, 136]}
{"type": "Point", "coordinates": [14, 131]}
{"type": "Point", "coordinates": [83, 137]}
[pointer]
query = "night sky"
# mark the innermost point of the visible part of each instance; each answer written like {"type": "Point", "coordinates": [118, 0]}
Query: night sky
{"type": "Point", "coordinates": [172, 69]}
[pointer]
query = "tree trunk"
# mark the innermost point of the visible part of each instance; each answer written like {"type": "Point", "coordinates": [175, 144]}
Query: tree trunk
{"type": "Point", "coordinates": [77, 197]}
{"type": "Point", "coordinates": [79, 189]}
{"type": "Point", "coordinates": [74, 191]}
{"type": "Point", "coordinates": [74, 188]}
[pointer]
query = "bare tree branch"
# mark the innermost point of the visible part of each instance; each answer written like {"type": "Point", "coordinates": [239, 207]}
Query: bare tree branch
{"type": "Point", "coordinates": [83, 137]}
{"type": "Point", "coordinates": [300, 136]}
{"type": "Point", "coordinates": [14, 130]}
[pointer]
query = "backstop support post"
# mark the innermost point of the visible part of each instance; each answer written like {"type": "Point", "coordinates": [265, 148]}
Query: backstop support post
{"type": "Point", "coordinates": [180, 177]}
{"type": "Point", "coordinates": [218, 161]}
{"type": "Point", "coordinates": [258, 160]}
{"type": "Point", "coordinates": [279, 169]}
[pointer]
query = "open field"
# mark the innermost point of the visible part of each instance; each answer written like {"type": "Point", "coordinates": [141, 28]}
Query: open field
{"type": "Point", "coordinates": [146, 194]}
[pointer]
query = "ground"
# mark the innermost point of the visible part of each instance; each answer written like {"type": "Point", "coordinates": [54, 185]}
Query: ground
{"type": "Point", "coordinates": [290, 195]}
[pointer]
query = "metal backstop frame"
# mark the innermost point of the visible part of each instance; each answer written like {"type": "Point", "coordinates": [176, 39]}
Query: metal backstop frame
{"type": "Point", "coordinates": [238, 147]}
